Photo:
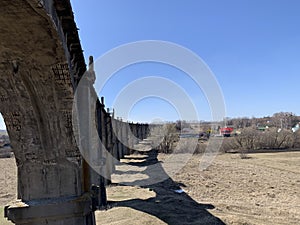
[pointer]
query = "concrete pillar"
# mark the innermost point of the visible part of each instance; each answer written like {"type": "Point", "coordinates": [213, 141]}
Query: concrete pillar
{"type": "Point", "coordinates": [116, 134]}
{"type": "Point", "coordinates": [98, 181]}
{"type": "Point", "coordinates": [144, 131]}
{"type": "Point", "coordinates": [123, 139]}
{"type": "Point", "coordinates": [113, 146]}
{"type": "Point", "coordinates": [130, 137]}
{"type": "Point", "coordinates": [109, 145]}
{"type": "Point", "coordinates": [104, 140]}
{"type": "Point", "coordinates": [120, 139]}
{"type": "Point", "coordinates": [126, 138]}
{"type": "Point", "coordinates": [135, 133]}
{"type": "Point", "coordinates": [51, 183]}
{"type": "Point", "coordinates": [140, 131]}
{"type": "Point", "coordinates": [137, 128]}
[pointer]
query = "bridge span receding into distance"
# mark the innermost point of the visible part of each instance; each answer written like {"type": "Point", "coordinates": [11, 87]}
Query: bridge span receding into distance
{"type": "Point", "coordinates": [41, 64]}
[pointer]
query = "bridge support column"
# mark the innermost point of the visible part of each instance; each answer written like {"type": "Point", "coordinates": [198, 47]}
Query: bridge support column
{"type": "Point", "coordinates": [120, 140]}
{"type": "Point", "coordinates": [109, 145]}
{"type": "Point", "coordinates": [124, 139]}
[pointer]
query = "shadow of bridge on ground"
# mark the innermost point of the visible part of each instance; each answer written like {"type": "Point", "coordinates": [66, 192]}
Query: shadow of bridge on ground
{"type": "Point", "coordinates": [170, 207]}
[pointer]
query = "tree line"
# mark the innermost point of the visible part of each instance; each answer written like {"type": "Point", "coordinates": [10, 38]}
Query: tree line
{"type": "Point", "coordinates": [270, 132]}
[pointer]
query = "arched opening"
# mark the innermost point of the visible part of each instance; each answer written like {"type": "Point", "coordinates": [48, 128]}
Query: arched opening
{"type": "Point", "coordinates": [8, 174]}
{"type": "Point", "coordinates": [36, 97]}
{"type": "Point", "coordinates": [5, 147]}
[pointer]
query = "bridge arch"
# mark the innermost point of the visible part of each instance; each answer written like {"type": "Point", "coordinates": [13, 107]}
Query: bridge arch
{"type": "Point", "coordinates": [41, 63]}
{"type": "Point", "coordinates": [36, 97]}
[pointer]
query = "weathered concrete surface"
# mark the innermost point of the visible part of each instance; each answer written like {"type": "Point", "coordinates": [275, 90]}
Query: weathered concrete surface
{"type": "Point", "coordinates": [36, 96]}
{"type": "Point", "coordinates": [41, 63]}
{"type": "Point", "coordinates": [72, 210]}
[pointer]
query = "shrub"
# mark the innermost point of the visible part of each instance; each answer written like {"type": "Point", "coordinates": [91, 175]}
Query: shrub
{"type": "Point", "coordinates": [276, 139]}
{"type": "Point", "coordinates": [251, 139]}
{"type": "Point", "coordinates": [248, 139]}
{"type": "Point", "coordinates": [165, 137]}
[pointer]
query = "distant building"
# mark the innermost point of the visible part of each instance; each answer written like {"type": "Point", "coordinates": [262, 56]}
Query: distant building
{"type": "Point", "coordinates": [226, 131]}
{"type": "Point", "coordinates": [262, 128]}
{"type": "Point", "coordinates": [296, 128]}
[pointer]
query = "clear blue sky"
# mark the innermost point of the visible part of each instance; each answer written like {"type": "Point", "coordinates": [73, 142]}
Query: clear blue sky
{"type": "Point", "coordinates": [252, 47]}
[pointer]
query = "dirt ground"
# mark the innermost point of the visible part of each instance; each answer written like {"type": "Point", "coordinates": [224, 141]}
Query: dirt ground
{"type": "Point", "coordinates": [263, 189]}
{"type": "Point", "coordinates": [8, 181]}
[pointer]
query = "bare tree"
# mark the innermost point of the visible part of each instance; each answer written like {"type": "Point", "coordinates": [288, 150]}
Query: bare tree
{"type": "Point", "coordinates": [165, 137]}
{"type": "Point", "coordinates": [284, 120]}
{"type": "Point", "coordinates": [248, 138]}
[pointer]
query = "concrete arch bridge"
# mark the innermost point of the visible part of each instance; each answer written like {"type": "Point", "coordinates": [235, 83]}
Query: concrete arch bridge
{"type": "Point", "coordinates": [41, 64]}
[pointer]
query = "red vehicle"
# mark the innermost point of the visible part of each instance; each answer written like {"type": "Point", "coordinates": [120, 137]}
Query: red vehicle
{"type": "Point", "coordinates": [226, 131]}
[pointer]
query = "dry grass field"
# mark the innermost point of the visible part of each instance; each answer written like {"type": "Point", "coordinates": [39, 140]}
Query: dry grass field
{"type": "Point", "coordinates": [263, 189]}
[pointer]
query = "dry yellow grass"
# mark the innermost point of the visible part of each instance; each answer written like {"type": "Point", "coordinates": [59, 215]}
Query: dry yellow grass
{"type": "Point", "coordinates": [264, 189]}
